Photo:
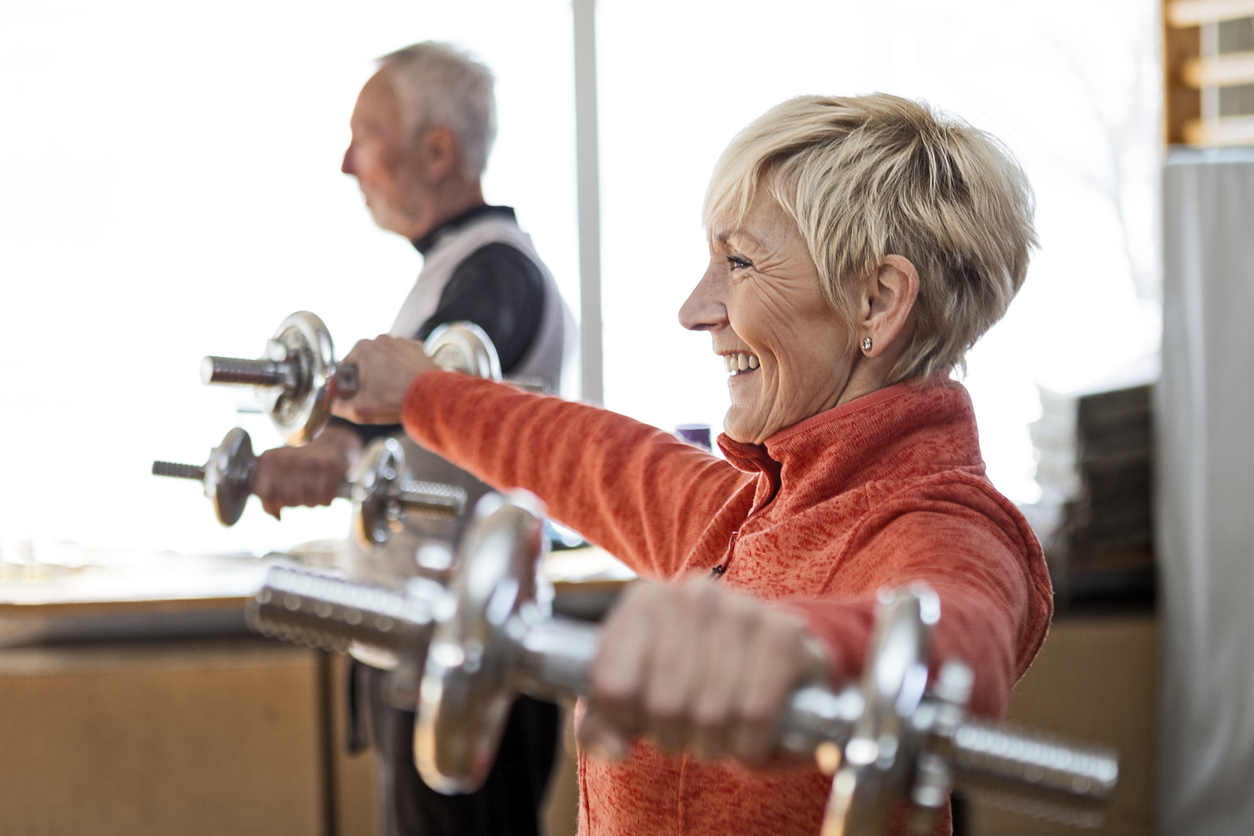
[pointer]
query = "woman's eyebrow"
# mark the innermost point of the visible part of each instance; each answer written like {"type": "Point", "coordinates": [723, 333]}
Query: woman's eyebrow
{"type": "Point", "coordinates": [744, 234]}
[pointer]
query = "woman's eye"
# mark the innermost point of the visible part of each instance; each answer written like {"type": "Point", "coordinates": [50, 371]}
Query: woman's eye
{"type": "Point", "coordinates": [738, 263]}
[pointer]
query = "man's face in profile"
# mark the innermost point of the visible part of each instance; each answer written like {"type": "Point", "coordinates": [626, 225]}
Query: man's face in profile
{"type": "Point", "coordinates": [378, 156]}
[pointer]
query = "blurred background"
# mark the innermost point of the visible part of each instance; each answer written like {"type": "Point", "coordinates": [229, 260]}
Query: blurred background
{"type": "Point", "coordinates": [170, 187]}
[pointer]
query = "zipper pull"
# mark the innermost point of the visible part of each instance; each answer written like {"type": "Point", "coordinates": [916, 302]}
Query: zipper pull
{"type": "Point", "coordinates": [719, 570]}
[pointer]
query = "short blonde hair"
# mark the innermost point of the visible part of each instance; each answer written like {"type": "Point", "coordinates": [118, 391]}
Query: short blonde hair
{"type": "Point", "coordinates": [870, 176]}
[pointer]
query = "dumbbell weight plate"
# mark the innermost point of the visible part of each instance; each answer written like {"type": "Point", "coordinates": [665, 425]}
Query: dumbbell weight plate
{"type": "Point", "coordinates": [466, 692]}
{"type": "Point", "coordinates": [300, 413]}
{"type": "Point", "coordinates": [463, 347]}
{"type": "Point", "coordinates": [229, 476]}
{"type": "Point", "coordinates": [375, 515]}
{"type": "Point", "coordinates": [878, 763]}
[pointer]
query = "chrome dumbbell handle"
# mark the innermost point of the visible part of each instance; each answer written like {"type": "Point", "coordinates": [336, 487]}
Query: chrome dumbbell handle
{"type": "Point", "coordinates": [431, 499]}
{"type": "Point", "coordinates": [329, 613]}
{"type": "Point", "coordinates": [557, 655]}
{"type": "Point", "coordinates": [236, 371]}
{"type": "Point", "coordinates": [984, 756]}
{"type": "Point", "coordinates": [179, 471]}
{"type": "Point", "coordinates": [299, 378]}
{"type": "Point", "coordinates": [382, 492]}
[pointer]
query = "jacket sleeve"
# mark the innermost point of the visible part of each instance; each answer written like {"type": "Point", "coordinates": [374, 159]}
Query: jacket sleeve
{"type": "Point", "coordinates": [632, 489]}
{"type": "Point", "coordinates": [988, 573]}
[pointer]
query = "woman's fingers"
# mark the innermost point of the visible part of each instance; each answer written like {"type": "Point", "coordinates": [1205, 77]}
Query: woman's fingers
{"type": "Point", "coordinates": [619, 670]}
{"type": "Point", "coordinates": [780, 656]}
{"type": "Point", "coordinates": [697, 667]}
{"type": "Point", "coordinates": [678, 661]}
{"type": "Point", "coordinates": [713, 708]}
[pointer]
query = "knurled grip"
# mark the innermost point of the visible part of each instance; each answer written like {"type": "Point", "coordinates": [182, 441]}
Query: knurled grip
{"type": "Point", "coordinates": [1021, 761]}
{"type": "Point", "coordinates": [330, 614]}
{"type": "Point", "coordinates": [179, 471]}
{"type": "Point", "coordinates": [239, 372]}
{"type": "Point", "coordinates": [430, 499]}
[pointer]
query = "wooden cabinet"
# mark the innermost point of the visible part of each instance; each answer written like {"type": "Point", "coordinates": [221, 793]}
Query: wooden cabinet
{"type": "Point", "coordinates": [193, 737]}
{"type": "Point", "coordinates": [1095, 680]}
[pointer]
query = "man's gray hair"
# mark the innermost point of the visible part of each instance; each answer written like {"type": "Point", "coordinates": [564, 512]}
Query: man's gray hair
{"type": "Point", "coordinates": [438, 85]}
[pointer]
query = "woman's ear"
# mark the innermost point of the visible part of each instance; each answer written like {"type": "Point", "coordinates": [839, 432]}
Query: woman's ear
{"type": "Point", "coordinates": [891, 292]}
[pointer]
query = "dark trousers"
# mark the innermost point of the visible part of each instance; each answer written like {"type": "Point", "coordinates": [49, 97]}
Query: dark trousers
{"type": "Point", "coordinates": [508, 804]}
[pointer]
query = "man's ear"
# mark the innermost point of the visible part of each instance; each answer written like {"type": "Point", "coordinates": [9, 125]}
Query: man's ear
{"type": "Point", "coordinates": [891, 292]}
{"type": "Point", "coordinates": [438, 150]}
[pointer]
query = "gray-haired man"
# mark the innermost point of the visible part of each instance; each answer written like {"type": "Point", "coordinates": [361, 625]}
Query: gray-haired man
{"type": "Point", "coordinates": [422, 129]}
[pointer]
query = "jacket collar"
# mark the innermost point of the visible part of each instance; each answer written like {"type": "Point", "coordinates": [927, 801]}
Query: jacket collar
{"type": "Point", "coordinates": [918, 425]}
{"type": "Point", "coordinates": [428, 242]}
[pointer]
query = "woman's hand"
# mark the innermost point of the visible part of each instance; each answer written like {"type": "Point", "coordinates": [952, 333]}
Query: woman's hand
{"type": "Point", "coordinates": [385, 368]}
{"type": "Point", "coordinates": [697, 667]}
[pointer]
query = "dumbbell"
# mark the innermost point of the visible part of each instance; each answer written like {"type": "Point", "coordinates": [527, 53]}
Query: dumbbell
{"type": "Point", "coordinates": [489, 637]}
{"type": "Point", "coordinates": [298, 376]}
{"type": "Point", "coordinates": [381, 489]}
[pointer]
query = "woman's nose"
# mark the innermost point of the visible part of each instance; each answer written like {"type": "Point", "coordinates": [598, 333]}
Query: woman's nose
{"type": "Point", "coordinates": [347, 165]}
{"type": "Point", "coordinates": [704, 309]}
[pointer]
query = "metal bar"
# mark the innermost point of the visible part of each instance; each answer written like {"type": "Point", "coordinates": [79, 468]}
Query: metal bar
{"type": "Point", "coordinates": [588, 188]}
{"type": "Point", "coordinates": [179, 471]}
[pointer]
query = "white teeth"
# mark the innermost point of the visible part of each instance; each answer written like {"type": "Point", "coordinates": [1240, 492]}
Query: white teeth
{"type": "Point", "coordinates": [740, 362]}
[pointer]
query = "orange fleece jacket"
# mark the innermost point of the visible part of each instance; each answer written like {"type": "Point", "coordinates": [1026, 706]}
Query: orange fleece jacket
{"type": "Point", "coordinates": [884, 490]}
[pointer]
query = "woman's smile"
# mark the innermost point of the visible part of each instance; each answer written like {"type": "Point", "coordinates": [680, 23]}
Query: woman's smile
{"type": "Point", "coordinates": [740, 362]}
{"type": "Point", "coordinates": [787, 352]}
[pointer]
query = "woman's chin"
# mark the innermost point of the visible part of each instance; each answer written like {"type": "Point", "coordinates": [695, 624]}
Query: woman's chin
{"type": "Point", "coordinates": [738, 425]}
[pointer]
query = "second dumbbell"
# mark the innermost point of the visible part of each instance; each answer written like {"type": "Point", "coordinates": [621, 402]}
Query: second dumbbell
{"type": "Point", "coordinates": [298, 377]}
{"type": "Point", "coordinates": [382, 491]}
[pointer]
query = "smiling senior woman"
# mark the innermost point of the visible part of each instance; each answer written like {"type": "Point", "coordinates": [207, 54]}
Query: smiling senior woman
{"type": "Point", "coordinates": [858, 247]}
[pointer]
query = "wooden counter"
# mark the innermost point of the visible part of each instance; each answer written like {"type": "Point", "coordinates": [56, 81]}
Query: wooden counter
{"type": "Point", "coordinates": [136, 703]}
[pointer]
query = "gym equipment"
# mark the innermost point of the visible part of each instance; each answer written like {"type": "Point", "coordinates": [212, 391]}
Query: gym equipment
{"type": "Point", "coordinates": [381, 489]}
{"type": "Point", "coordinates": [489, 637]}
{"type": "Point", "coordinates": [298, 376]}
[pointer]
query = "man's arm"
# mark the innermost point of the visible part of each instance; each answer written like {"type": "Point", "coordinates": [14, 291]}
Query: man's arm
{"type": "Point", "coordinates": [499, 289]}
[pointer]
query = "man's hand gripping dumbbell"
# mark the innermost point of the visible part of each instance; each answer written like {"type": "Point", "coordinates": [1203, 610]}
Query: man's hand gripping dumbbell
{"type": "Point", "coordinates": [890, 738]}
{"type": "Point", "coordinates": [299, 381]}
{"type": "Point", "coordinates": [381, 489]}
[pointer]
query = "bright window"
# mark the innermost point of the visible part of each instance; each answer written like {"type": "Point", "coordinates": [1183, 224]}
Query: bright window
{"type": "Point", "coordinates": [170, 187]}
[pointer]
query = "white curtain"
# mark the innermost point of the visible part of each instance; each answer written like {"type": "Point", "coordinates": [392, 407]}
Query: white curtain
{"type": "Point", "coordinates": [1205, 495]}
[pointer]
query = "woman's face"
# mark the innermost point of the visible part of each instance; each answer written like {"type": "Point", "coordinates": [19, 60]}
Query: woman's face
{"type": "Point", "coordinates": [788, 353]}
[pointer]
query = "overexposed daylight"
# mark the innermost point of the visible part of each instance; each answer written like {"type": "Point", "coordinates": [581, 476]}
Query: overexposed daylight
{"type": "Point", "coordinates": [170, 187]}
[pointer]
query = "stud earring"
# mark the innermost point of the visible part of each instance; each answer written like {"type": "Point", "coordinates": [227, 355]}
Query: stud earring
{"type": "Point", "coordinates": [866, 343]}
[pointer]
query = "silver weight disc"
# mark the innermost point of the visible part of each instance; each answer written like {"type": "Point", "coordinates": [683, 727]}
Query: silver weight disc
{"type": "Point", "coordinates": [464, 347]}
{"type": "Point", "coordinates": [229, 476]}
{"type": "Point", "coordinates": [299, 414]}
{"type": "Point", "coordinates": [375, 513]}
{"type": "Point", "coordinates": [466, 692]}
